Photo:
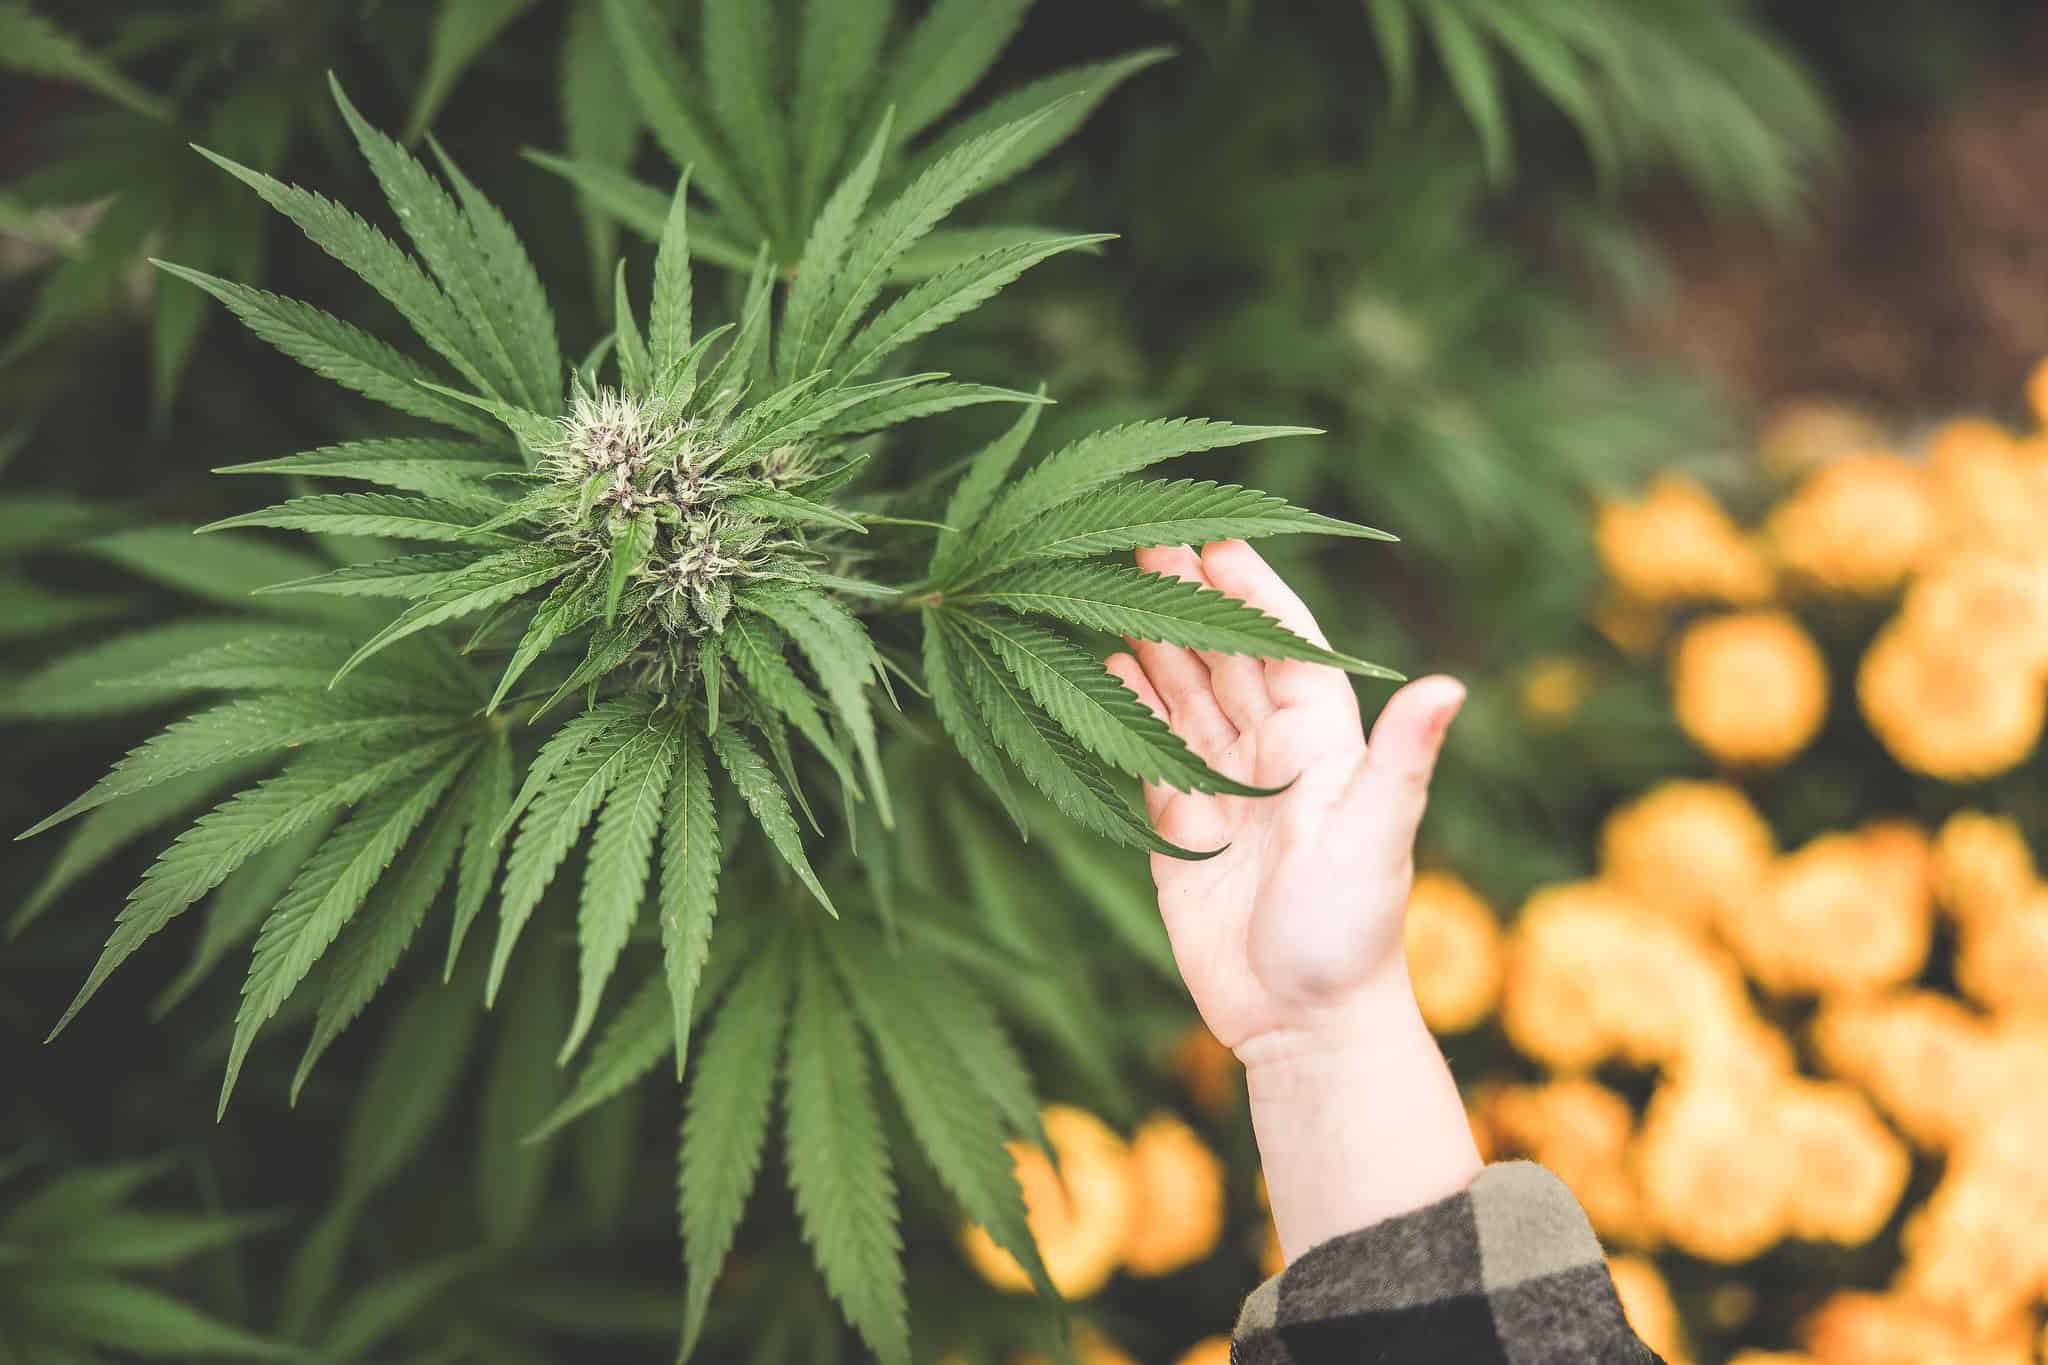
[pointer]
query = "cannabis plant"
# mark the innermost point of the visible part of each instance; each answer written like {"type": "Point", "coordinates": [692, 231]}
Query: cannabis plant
{"type": "Point", "coordinates": [767, 143]}
{"type": "Point", "coordinates": [72, 1247]}
{"type": "Point", "coordinates": [1696, 84]}
{"type": "Point", "coordinates": [686, 607]}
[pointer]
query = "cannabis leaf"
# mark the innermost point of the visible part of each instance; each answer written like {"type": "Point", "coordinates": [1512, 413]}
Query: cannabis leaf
{"type": "Point", "coordinates": [1002, 684]}
{"type": "Point", "coordinates": [74, 1248]}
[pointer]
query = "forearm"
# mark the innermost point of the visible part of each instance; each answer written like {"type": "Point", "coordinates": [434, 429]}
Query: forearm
{"type": "Point", "coordinates": [1358, 1118]}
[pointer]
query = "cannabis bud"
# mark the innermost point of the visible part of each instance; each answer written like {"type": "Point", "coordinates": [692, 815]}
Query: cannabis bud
{"type": "Point", "coordinates": [661, 508]}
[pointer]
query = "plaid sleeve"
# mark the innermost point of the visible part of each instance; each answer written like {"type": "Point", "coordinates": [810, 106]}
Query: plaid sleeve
{"type": "Point", "coordinates": [1506, 1273]}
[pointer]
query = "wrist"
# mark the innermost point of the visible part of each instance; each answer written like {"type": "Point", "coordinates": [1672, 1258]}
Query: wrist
{"type": "Point", "coordinates": [1357, 1115]}
{"type": "Point", "coordinates": [1336, 1034]}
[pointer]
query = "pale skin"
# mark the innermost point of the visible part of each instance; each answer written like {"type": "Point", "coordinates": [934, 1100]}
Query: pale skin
{"type": "Point", "coordinates": [1290, 940]}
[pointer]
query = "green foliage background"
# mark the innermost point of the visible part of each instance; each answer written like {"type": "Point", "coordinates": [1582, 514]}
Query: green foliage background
{"type": "Point", "coordinates": [1387, 220]}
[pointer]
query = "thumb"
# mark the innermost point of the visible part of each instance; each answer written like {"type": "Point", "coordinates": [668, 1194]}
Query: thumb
{"type": "Point", "coordinates": [1393, 783]}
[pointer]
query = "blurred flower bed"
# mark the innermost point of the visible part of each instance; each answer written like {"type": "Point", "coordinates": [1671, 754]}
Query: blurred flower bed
{"type": "Point", "coordinates": [1789, 1045]}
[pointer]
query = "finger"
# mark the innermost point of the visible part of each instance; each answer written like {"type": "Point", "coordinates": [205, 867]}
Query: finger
{"type": "Point", "coordinates": [1236, 568]}
{"type": "Point", "coordinates": [1237, 680]}
{"type": "Point", "coordinates": [1132, 675]}
{"type": "Point", "coordinates": [1393, 783]}
{"type": "Point", "coordinates": [1182, 683]}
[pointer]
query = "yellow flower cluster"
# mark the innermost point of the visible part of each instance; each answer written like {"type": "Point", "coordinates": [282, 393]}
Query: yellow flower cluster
{"type": "Point", "coordinates": [2003, 961]}
{"type": "Point", "coordinates": [1179, 1206]}
{"type": "Point", "coordinates": [1982, 865]}
{"type": "Point", "coordinates": [1676, 544]}
{"type": "Point", "coordinates": [1918, 1053]}
{"type": "Point", "coordinates": [1915, 954]}
{"type": "Point", "coordinates": [1728, 1168]}
{"type": "Point", "coordinates": [1943, 707]}
{"type": "Point", "coordinates": [1955, 685]}
{"type": "Point", "coordinates": [1849, 911]}
{"type": "Point", "coordinates": [1749, 687]}
{"type": "Point", "coordinates": [1698, 850]}
{"type": "Point", "coordinates": [1649, 965]}
{"type": "Point", "coordinates": [1595, 974]}
{"type": "Point", "coordinates": [1859, 1328]}
{"type": "Point", "coordinates": [1080, 1212]}
{"type": "Point", "coordinates": [1857, 525]}
{"type": "Point", "coordinates": [1149, 1206]}
{"type": "Point", "coordinates": [1454, 952]}
{"type": "Point", "coordinates": [1973, 1088]}
{"type": "Point", "coordinates": [1991, 484]}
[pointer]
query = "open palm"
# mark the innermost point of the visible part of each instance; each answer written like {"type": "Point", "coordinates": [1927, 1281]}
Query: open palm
{"type": "Point", "coordinates": [1303, 908]}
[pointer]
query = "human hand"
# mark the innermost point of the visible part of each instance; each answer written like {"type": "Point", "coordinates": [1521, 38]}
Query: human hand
{"type": "Point", "coordinates": [1281, 934]}
{"type": "Point", "coordinates": [1291, 938]}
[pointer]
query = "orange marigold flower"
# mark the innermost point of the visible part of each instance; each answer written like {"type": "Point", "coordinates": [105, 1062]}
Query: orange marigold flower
{"type": "Point", "coordinates": [1993, 492]}
{"type": "Point", "coordinates": [1207, 1351]}
{"type": "Point", "coordinates": [1553, 1001]}
{"type": "Point", "coordinates": [1773, 1358]}
{"type": "Point", "coordinates": [1962, 439]}
{"type": "Point", "coordinates": [1695, 848]}
{"type": "Point", "coordinates": [1999, 603]}
{"type": "Point", "coordinates": [1646, 1301]}
{"type": "Point", "coordinates": [1847, 912]}
{"type": "Point", "coordinates": [1852, 1167]}
{"type": "Point", "coordinates": [1944, 707]}
{"type": "Point", "coordinates": [1749, 687]}
{"type": "Point", "coordinates": [2002, 963]}
{"type": "Point", "coordinates": [1178, 1182]}
{"type": "Point", "coordinates": [1801, 433]}
{"type": "Point", "coordinates": [1676, 544]}
{"type": "Point", "coordinates": [1593, 974]}
{"type": "Point", "coordinates": [2002, 1147]}
{"type": "Point", "coordinates": [1982, 864]}
{"type": "Point", "coordinates": [1211, 1072]}
{"type": "Point", "coordinates": [1714, 1182]}
{"type": "Point", "coordinates": [1858, 525]}
{"type": "Point", "coordinates": [1553, 689]}
{"type": "Point", "coordinates": [1080, 1214]}
{"type": "Point", "coordinates": [1856, 1327]}
{"type": "Point", "coordinates": [1454, 952]}
{"type": "Point", "coordinates": [1738, 1048]}
{"type": "Point", "coordinates": [1900, 854]}
{"type": "Point", "coordinates": [1919, 1054]}
{"type": "Point", "coordinates": [1973, 1254]}
{"type": "Point", "coordinates": [2017, 1059]}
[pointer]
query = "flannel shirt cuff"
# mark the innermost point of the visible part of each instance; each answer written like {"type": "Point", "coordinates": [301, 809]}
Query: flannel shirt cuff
{"type": "Point", "coordinates": [1508, 1272]}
